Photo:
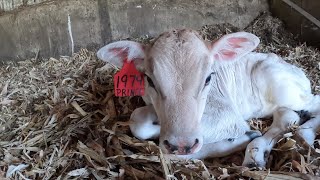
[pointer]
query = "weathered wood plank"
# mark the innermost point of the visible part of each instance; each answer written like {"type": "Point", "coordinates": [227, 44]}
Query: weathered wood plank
{"type": "Point", "coordinates": [303, 12]}
{"type": "Point", "coordinates": [305, 25]}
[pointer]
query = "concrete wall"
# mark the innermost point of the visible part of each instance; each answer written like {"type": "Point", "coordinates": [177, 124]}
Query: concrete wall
{"type": "Point", "coordinates": [8, 5]}
{"type": "Point", "coordinates": [45, 29]}
{"type": "Point", "coordinates": [42, 25]}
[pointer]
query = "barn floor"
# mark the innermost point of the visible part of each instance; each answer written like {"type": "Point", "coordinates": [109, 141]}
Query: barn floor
{"type": "Point", "coordinates": [60, 120]}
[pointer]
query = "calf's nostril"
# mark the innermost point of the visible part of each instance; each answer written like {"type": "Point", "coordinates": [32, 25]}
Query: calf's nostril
{"type": "Point", "coordinates": [169, 146]}
{"type": "Point", "coordinates": [182, 149]}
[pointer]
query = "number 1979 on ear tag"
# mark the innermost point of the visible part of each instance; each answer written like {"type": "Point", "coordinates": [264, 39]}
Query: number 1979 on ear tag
{"type": "Point", "coordinates": [128, 81]}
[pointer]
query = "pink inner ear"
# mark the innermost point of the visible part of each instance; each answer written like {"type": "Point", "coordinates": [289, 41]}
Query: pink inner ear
{"type": "Point", "coordinates": [121, 52]}
{"type": "Point", "coordinates": [237, 40]}
{"type": "Point", "coordinates": [227, 54]}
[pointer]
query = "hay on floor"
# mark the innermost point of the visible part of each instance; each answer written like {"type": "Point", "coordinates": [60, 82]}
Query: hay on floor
{"type": "Point", "coordinates": [60, 120]}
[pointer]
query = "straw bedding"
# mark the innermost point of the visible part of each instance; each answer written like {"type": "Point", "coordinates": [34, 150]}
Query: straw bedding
{"type": "Point", "coordinates": [59, 119]}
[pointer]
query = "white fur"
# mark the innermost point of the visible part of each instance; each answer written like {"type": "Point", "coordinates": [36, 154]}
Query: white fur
{"type": "Point", "coordinates": [244, 85]}
{"type": "Point", "coordinates": [142, 126]}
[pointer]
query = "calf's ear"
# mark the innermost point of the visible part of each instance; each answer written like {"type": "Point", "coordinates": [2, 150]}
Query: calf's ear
{"type": "Point", "coordinates": [118, 52]}
{"type": "Point", "coordinates": [234, 46]}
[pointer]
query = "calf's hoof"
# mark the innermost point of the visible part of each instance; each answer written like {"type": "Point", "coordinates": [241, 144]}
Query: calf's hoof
{"type": "Point", "coordinates": [256, 154]}
{"type": "Point", "coordinates": [308, 135]}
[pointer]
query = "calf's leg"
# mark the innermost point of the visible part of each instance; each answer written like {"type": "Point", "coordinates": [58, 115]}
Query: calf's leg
{"type": "Point", "coordinates": [308, 130]}
{"type": "Point", "coordinates": [257, 151]}
{"type": "Point", "coordinates": [222, 148]}
{"type": "Point", "coordinates": [144, 123]}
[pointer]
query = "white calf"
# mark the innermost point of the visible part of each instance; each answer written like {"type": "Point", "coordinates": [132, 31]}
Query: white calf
{"type": "Point", "coordinates": [203, 93]}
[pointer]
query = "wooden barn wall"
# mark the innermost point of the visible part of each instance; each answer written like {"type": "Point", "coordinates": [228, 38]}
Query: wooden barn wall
{"type": "Point", "coordinates": [297, 23]}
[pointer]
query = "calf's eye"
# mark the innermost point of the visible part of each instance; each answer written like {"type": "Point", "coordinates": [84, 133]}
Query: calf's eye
{"type": "Point", "coordinates": [208, 80]}
{"type": "Point", "coordinates": [150, 82]}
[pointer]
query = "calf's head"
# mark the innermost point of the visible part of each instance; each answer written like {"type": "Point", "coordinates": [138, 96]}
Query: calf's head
{"type": "Point", "coordinates": [178, 67]}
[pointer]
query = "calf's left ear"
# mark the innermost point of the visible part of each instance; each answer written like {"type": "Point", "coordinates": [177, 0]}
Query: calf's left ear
{"type": "Point", "coordinates": [118, 52]}
{"type": "Point", "coordinates": [234, 46]}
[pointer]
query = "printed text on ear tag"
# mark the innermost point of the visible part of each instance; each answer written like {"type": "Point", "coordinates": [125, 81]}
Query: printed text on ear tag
{"type": "Point", "coordinates": [128, 81]}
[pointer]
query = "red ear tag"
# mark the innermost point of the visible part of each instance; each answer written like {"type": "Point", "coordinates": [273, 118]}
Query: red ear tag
{"type": "Point", "coordinates": [128, 81]}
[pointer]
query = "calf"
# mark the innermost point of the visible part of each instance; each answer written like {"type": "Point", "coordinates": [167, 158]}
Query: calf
{"type": "Point", "coordinates": [199, 94]}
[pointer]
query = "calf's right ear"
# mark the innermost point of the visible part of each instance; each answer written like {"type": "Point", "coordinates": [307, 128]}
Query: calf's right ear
{"type": "Point", "coordinates": [234, 46]}
{"type": "Point", "coordinates": [117, 52]}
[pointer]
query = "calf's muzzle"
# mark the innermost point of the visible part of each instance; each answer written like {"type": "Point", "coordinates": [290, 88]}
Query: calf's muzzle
{"type": "Point", "coordinates": [182, 146]}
